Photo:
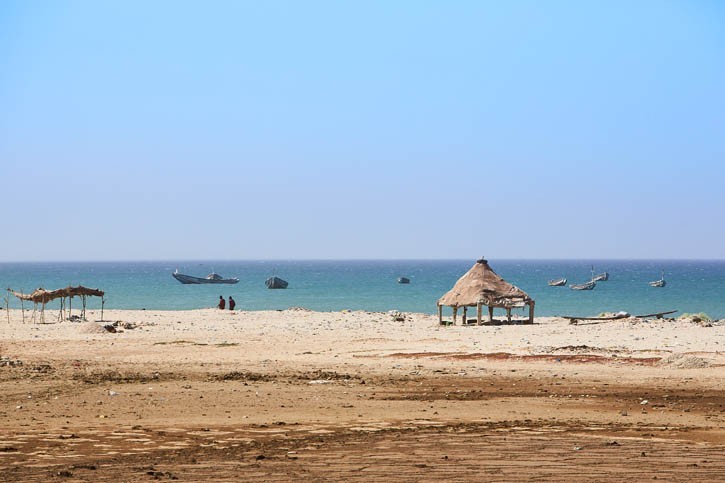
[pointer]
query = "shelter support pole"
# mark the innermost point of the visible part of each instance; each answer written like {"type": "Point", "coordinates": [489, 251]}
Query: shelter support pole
{"type": "Point", "coordinates": [479, 308]}
{"type": "Point", "coordinates": [508, 314]}
{"type": "Point", "coordinates": [531, 312]}
{"type": "Point", "coordinates": [455, 313]}
{"type": "Point", "coordinates": [103, 302]}
{"type": "Point", "coordinates": [440, 314]}
{"type": "Point", "coordinates": [490, 313]}
{"type": "Point", "coordinates": [465, 312]}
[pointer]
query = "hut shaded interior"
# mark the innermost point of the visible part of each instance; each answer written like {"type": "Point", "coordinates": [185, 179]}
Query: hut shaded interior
{"type": "Point", "coordinates": [482, 286]}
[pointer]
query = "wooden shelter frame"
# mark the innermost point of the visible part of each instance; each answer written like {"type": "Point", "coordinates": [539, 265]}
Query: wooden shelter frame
{"type": "Point", "coordinates": [42, 297]}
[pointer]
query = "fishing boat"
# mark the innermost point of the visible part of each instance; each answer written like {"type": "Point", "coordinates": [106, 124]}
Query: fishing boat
{"type": "Point", "coordinates": [659, 283]}
{"type": "Point", "coordinates": [211, 278]}
{"type": "Point", "coordinates": [275, 282]}
{"type": "Point", "coordinates": [557, 283]}
{"type": "Point", "coordinates": [584, 286]}
{"type": "Point", "coordinates": [403, 280]}
{"type": "Point", "coordinates": [602, 277]}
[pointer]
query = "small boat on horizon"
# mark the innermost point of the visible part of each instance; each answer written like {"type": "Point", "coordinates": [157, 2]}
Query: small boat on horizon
{"type": "Point", "coordinates": [403, 280]}
{"type": "Point", "coordinates": [275, 282]}
{"type": "Point", "coordinates": [659, 283]}
{"type": "Point", "coordinates": [211, 278]}
{"type": "Point", "coordinates": [557, 283]}
{"type": "Point", "coordinates": [584, 286]}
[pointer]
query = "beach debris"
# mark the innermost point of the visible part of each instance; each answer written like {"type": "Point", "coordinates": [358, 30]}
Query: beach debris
{"type": "Point", "coordinates": [5, 361]}
{"type": "Point", "coordinates": [157, 475]}
{"type": "Point", "coordinates": [683, 361]}
{"type": "Point", "coordinates": [644, 402]}
{"type": "Point", "coordinates": [112, 393]}
{"type": "Point", "coordinates": [397, 315]}
{"type": "Point", "coordinates": [124, 325]}
{"type": "Point", "coordinates": [320, 381]}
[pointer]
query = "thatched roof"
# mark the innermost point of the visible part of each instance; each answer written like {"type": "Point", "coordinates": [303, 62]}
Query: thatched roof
{"type": "Point", "coordinates": [482, 285]}
{"type": "Point", "coordinates": [42, 296]}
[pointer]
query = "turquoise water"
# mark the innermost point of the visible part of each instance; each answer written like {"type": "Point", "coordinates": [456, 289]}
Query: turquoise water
{"type": "Point", "coordinates": [692, 286]}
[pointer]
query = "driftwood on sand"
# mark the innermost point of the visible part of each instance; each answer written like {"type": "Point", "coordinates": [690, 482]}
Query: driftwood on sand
{"type": "Point", "coordinates": [574, 320]}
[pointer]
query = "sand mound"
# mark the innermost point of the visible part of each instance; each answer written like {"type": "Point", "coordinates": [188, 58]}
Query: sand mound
{"type": "Point", "coordinates": [682, 361]}
{"type": "Point", "coordinates": [92, 328]}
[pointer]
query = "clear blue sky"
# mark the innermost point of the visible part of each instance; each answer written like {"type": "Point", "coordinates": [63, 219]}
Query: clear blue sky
{"type": "Point", "coordinates": [409, 129]}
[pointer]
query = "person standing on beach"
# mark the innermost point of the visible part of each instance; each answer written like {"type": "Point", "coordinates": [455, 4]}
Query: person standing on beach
{"type": "Point", "coordinates": [221, 303]}
{"type": "Point", "coordinates": [232, 303]}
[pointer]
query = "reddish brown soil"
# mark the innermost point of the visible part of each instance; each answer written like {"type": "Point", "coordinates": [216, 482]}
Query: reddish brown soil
{"type": "Point", "coordinates": [83, 421]}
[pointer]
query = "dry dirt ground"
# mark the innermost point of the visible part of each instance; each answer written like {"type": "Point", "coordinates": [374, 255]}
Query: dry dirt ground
{"type": "Point", "coordinates": [393, 417]}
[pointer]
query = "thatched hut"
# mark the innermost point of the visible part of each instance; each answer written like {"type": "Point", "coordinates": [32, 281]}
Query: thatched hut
{"type": "Point", "coordinates": [42, 297]}
{"type": "Point", "coordinates": [482, 286]}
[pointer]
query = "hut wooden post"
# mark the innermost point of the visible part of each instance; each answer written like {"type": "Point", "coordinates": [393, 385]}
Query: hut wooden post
{"type": "Point", "coordinates": [22, 308]}
{"type": "Point", "coordinates": [465, 312]}
{"type": "Point", "coordinates": [531, 312]}
{"type": "Point", "coordinates": [103, 302]}
{"type": "Point", "coordinates": [508, 314]}
{"type": "Point", "coordinates": [490, 313]}
{"type": "Point", "coordinates": [440, 315]}
{"type": "Point", "coordinates": [455, 313]}
{"type": "Point", "coordinates": [479, 309]}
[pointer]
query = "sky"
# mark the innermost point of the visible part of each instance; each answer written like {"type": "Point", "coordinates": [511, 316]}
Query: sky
{"type": "Point", "coordinates": [172, 130]}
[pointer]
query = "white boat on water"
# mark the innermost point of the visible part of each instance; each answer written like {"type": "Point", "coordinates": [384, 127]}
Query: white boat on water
{"type": "Point", "coordinates": [211, 278]}
{"type": "Point", "coordinates": [659, 283]}
{"type": "Point", "coordinates": [584, 286]}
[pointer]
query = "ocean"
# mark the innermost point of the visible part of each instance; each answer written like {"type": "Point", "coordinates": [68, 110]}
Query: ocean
{"type": "Point", "coordinates": [326, 285]}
